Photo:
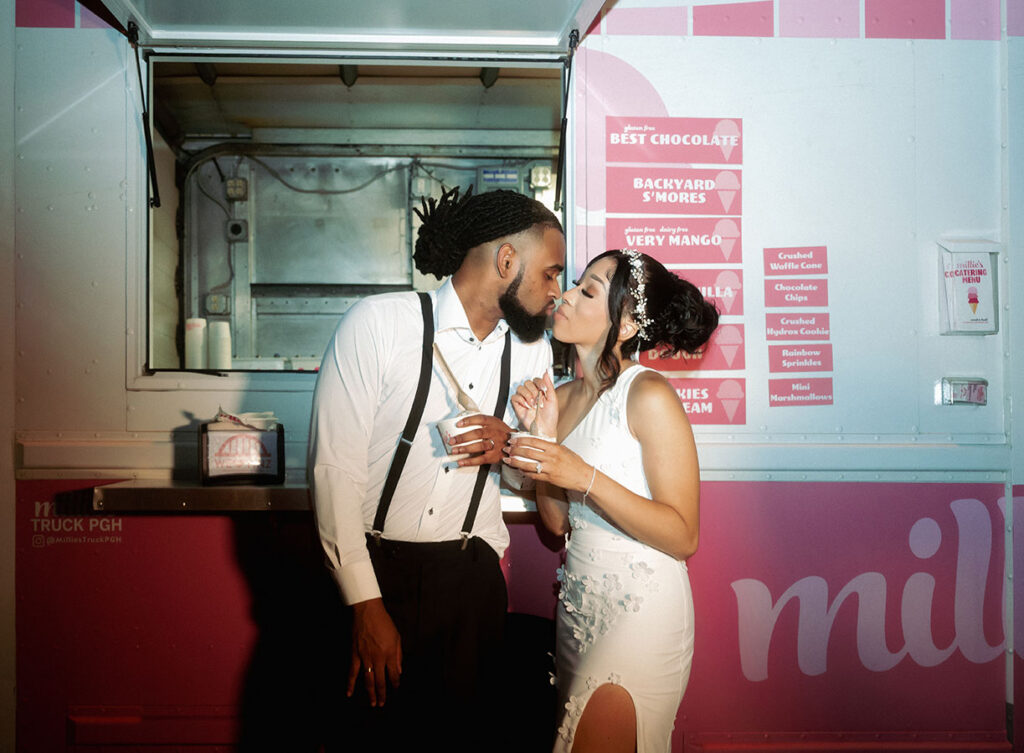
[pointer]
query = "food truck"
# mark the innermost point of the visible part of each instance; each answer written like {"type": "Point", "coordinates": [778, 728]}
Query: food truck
{"type": "Point", "coordinates": [194, 193]}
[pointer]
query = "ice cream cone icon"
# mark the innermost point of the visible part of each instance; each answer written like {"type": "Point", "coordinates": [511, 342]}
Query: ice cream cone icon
{"type": "Point", "coordinates": [729, 340]}
{"type": "Point", "coordinates": [727, 184]}
{"type": "Point", "coordinates": [729, 232]}
{"type": "Point", "coordinates": [729, 283]}
{"type": "Point", "coordinates": [731, 394]}
{"type": "Point", "coordinates": [727, 128]}
{"type": "Point", "coordinates": [972, 299]}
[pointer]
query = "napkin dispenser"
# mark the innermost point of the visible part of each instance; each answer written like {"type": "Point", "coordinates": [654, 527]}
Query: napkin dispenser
{"type": "Point", "coordinates": [245, 449]}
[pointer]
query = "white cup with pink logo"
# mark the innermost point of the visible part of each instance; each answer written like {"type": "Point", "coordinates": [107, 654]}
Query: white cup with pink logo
{"type": "Point", "coordinates": [448, 430]}
{"type": "Point", "coordinates": [515, 477]}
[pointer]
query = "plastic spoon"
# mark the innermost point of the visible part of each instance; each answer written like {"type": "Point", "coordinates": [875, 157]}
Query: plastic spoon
{"type": "Point", "coordinates": [465, 401]}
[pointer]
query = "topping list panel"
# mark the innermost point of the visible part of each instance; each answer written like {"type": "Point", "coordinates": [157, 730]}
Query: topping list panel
{"type": "Point", "coordinates": [797, 326]}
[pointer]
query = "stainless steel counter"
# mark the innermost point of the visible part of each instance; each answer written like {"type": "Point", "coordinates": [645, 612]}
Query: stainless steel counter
{"type": "Point", "coordinates": [148, 495]}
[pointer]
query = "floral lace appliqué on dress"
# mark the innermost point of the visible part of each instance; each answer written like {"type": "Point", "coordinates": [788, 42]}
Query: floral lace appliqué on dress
{"type": "Point", "coordinates": [596, 602]}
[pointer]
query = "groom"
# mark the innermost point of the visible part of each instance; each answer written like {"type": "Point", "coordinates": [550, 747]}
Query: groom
{"type": "Point", "coordinates": [414, 547]}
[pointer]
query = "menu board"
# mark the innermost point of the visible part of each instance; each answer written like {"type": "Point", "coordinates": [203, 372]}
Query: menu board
{"type": "Point", "coordinates": [675, 192]}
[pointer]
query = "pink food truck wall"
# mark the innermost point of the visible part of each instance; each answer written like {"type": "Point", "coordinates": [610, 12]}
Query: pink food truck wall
{"type": "Point", "coordinates": [859, 615]}
{"type": "Point", "coordinates": [798, 161]}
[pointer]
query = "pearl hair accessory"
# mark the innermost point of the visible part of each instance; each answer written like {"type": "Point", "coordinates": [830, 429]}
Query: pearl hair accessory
{"type": "Point", "coordinates": [636, 265]}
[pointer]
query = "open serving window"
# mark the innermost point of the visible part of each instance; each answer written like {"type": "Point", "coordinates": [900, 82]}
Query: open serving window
{"type": "Point", "coordinates": [294, 190]}
{"type": "Point", "coordinates": [290, 148]}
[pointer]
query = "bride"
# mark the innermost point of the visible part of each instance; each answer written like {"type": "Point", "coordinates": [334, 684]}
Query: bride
{"type": "Point", "coordinates": [615, 465]}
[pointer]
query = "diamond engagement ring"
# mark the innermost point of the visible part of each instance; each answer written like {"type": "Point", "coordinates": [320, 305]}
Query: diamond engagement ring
{"type": "Point", "coordinates": [540, 468]}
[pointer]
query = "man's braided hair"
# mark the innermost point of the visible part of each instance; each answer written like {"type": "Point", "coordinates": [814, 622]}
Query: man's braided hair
{"type": "Point", "coordinates": [453, 225]}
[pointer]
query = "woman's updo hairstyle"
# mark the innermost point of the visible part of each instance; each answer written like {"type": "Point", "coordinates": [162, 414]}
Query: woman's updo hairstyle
{"type": "Point", "coordinates": [453, 225]}
{"type": "Point", "coordinates": [676, 317]}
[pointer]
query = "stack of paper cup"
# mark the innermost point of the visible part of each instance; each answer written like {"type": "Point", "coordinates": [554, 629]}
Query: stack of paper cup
{"type": "Point", "coordinates": [195, 343]}
{"type": "Point", "coordinates": [219, 345]}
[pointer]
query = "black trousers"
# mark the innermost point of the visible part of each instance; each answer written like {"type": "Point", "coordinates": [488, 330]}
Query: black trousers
{"type": "Point", "coordinates": [449, 605]}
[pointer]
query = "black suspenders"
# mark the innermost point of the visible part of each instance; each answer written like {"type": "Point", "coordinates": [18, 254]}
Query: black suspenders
{"type": "Point", "coordinates": [416, 413]}
{"type": "Point", "coordinates": [418, 403]}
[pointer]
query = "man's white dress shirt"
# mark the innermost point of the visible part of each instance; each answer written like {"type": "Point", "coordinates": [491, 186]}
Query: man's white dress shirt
{"type": "Point", "coordinates": [363, 396]}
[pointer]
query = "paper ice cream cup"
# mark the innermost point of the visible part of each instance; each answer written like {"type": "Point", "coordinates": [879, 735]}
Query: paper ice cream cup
{"type": "Point", "coordinates": [515, 477]}
{"type": "Point", "coordinates": [517, 434]}
{"type": "Point", "coordinates": [447, 429]}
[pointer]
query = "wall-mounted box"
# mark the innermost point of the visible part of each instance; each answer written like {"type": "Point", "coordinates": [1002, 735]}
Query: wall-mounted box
{"type": "Point", "coordinates": [968, 287]}
{"type": "Point", "coordinates": [961, 391]}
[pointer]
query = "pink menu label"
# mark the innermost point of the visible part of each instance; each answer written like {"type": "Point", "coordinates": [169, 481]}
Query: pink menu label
{"type": "Point", "coordinates": [799, 358]}
{"type": "Point", "coordinates": [713, 401]}
{"type": "Point", "coordinates": [723, 352]}
{"type": "Point", "coordinates": [696, 240]}
{"type": "Point", "coordinates": [668, 190]}
{"type": "Point", "coordinates": [808, 260]}
{"type": "Point", "coordinates": [723, 287]}
{"type": "Point", "coordinates": [703, 140]}
{"type": "Point", "coordinates": [795, 392]}
{"type": "Point", "coordinates": [795, 292]}
{"type": "Point", "coordinates": [802, 326]}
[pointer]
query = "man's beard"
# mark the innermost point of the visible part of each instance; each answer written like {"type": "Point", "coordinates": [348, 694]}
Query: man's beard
{"type": "Point", "coordinates": [528, 327]}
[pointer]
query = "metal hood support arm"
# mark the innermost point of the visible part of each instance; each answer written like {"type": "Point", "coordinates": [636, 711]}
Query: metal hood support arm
{"type": "Point", "coordinates": [574, 40]}
{"type": "Point", "coordinates": [133, 37]}
{"type": "Point", "coordinates": [103, 13]}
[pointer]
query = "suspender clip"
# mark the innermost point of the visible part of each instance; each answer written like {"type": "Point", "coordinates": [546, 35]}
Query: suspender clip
{"type": "Point", "coordinates": [376, 536]}
{"type": "Point", "coordinates": [465, 541]}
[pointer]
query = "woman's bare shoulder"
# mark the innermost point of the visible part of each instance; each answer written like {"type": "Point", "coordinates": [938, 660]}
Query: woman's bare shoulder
{"type": "Point", "coordinates": [653, 399]}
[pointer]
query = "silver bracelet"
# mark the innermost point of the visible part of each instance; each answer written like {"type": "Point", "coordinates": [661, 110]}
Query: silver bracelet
{"type": "Point", "coordinates": [591, 485]}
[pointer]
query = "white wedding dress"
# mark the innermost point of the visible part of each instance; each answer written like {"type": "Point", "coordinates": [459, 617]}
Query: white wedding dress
{"type": "Point", "coordinates": [625, 611]}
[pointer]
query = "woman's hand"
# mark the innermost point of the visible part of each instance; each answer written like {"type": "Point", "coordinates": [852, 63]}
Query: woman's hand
{"type": "Point", "coordinates": [549, 462]}
{"type": "Point", "coordinates": [536, 406]}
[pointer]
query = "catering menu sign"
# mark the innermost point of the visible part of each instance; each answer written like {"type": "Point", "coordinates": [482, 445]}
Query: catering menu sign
{"type": "Point", "coordinates": [968, 289]}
